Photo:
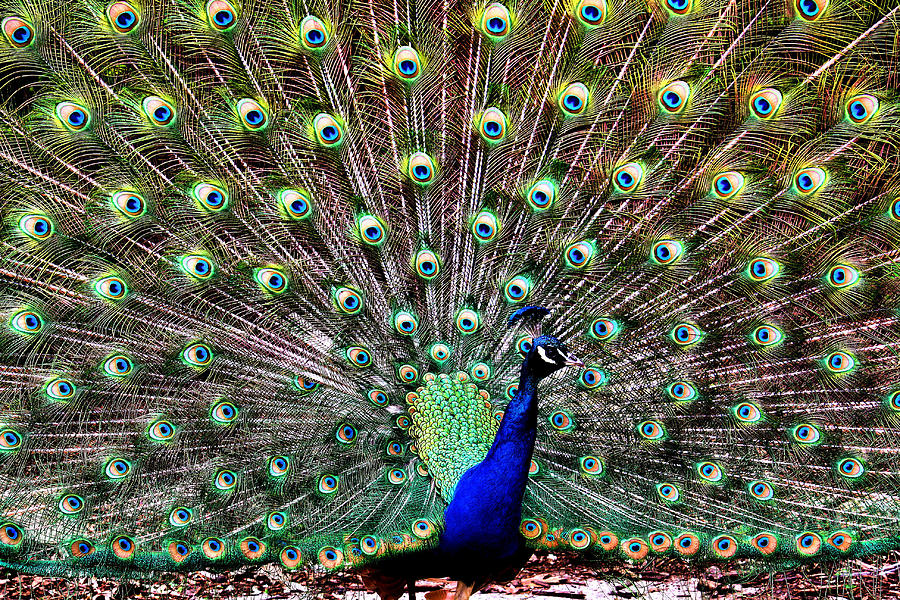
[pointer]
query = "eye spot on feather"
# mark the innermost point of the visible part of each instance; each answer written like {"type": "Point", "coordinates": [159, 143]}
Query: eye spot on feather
{"type": "Point", "coordinates": [328, 484]}
{"type": "Point", "coordinates": [18, 32]}
{"type": "Point", "coordinates": [591, 465]}
{"type": "Point", "coordinates": [426, 264]}
{"type": "Point", "coordinates": [724, 546]}
{"type": "Point", "coordinates": [591, 13]}
{"type": "Point", "coordinates": [279, 465]}
{"type": "Point", "coordinates": [766, 336]}
{"type": "Point", "coordinates": [806, 434]}
{"type": "Point", "coordinates": [290, 558]}
{"type": "Point", "coordinates": [197, 355]}
{"type": "Point", "coordinates": [541, 195]}
{"type": "Point", "coordinates": [253, 116]}
{"type": "Point", "coordinates": [328, 132]}
{"type": "Point", "coordinates": [347, 300]}
{"type": "Point", "coordinates": [468, 321]}
{"type": "Point", "coordinates": [681, 391]}
{"type": "Point", "coordinates": [159, 112]}
{"type": "Point", "coordinates": [10, 440]}
{"type": "Point", "coordinates": [346, 433]}
{"type": "Point", "coordinates": [178, 551]}
{"type": "Point", "coordinates": [372, 231]}
{"type": "Point", "coordinates": [840, 363]}
{"type": "Point", "coordinates": [660, 541]}
{"type": "Point", "coordinates": [685, 334]}
{"type": "Point", "coordinates": [668, 492]}
{"type": "Point", "coordinates": [161, 431]}
{"type": "Point", "coordinates": [687, 544]}
{"type": "Point", "coordinates": [842, 276]}
{"type": "Point", "coordinates": [517, 289]}
{"type": "Point", "coordinates": [118, 468]}
{"type": "Point", "coordinates": [579, 539]}
{"type": "Point", "coordinates": [118, 365]}
{"type": "Point", "coordinates": [635, 549]}
{"type": "Point", "coordinates": [80, 548]}
{"type": "Point", "coordinates": [221, 15]}
{"type": "Point", "coordinates": [295, 204]}
{"type": "Point", "coordinates": [810, 10]}
{"type": "Point", "coordinates": [579, 254]}
{"type": "Point", "coordinates": [276, 521]}
{"type": "Point", "coordinates": [405, 323]}
{"type": "Point", "coordinates": [271, 279]}
{"type": "Point", "coordinates": [727, 185]}
{"type": "Point", "coordinates": [747, 413]}
{"type": "Point", "coordinates": [809, 180]}
{"type": "Point", "coordinates": [850, 468]}
{"type": "Point", "coordinates": [396, 476]}
{"type": "Point", "coordinates": [765, 543]}
{"type": "Point", "coordinates": [492, 125]}
{"type": "Point", "coordinates": [11, 535]}
{"type": "Point", "coordinates": [485, 226]}
{"type": "Point", "coordinates": [861, 108]}
{"type": "Point", "coordinates": [627, 177]}
{"type": "Point", "coordinates": [28, 322]}
{"type": "Point", "coordinates": [651, 430]}
{"type": "Point", "coordinates": [808, 543]}
{"type": "Point", "coordinates": [407, 63]}
{"type": "Point", "coordinates": [674, 96]}
{"type": "Point", "coordinates": [37, 227]}
{"type": "Point", "coordinates": [591, 378]}
{"type": "Point", "coordinates": [421, 169]}
{"type": "Point", "coordinates": [111, 288]}
{"type": "Point", "coordinates": [223, 412]}
{"type": "Point", "coordinates": [123, 547]}
{"type": "Point", "coordinates": [71, 504]}
{"type": "Point", "coordinates": [666, 252]}
{"type": "Point", "coordinates": [314, 35]}
{"type": "Point", "coordinates": [213, 548]}
{"type": "Point", "coordinates": [531, 529]}
{"type": "Point", "coordinates": [209, 197]}
{"type": "Point", "coordinates": [840, 540]}
{"type": "Point", "coordinates": [679, 7]}
{"type": "Point", "coordinates": [765, 103]}
{"type": "Point", "coordinates": [423, 529]}
{"type": "Point", "coordinates": [496, 21]}
{"type": "Point", "coordinates": [123, 17]}
{"type": "Point", "coordinates": [74, 117]}
{"type": "Point", "coordinates": [252, 548]}
{"type": "Point", "coordinates": [762, 269]}
{"type": "Point", "coordinates": [573, 100]}
{"type": "Point", "coordinates": [225, 480]}
{"type": "Point", "coordinates": [710, 472]}
{"type": "Point", "coordinates": [181, 516]}
{"type": "Point", "coordinates": [60, 389]}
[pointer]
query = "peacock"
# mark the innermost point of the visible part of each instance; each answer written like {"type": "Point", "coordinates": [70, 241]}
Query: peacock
{"type": "Point", "coordinates": [415, 288]}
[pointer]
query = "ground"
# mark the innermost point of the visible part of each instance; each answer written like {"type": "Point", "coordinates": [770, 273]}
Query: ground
{"type": "Point", "coordinates": [547, 577]}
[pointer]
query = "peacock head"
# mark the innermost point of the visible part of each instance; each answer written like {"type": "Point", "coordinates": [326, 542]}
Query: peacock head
{"type": "Point", "coordinates": [548, 355]}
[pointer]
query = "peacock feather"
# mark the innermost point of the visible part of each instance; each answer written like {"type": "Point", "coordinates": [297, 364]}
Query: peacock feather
{"type": "Point", "coordinates": [258, 261]}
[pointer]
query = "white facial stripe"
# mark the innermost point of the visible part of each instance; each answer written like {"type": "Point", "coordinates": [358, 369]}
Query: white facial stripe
{"type": "Point", "coordinates": [542, 352]}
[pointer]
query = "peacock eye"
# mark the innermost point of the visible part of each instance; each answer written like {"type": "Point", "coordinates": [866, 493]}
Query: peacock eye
{"type": "Point", "coordinates": [687, 544]}
{"type": "Point", "coordinates": [123, 17]}
{"type": "Point", "coordinates": [304, 384]}
{"type": "Point", "coordinates": [809, 180]}
{"type": "Point", "coordinates": [679, 7]}
{"type": "Point", "coordinates": [426, 264]}
{"type": "Point", "coordinates": [178, 551]}
{"type": "Point", "coordinates": [651, 430]}
{"type": "Point", "coordinates": [290, 558]}
{"type": "Point", "coordinates": [591, 13]}
{"type": "Point", "coordinates": [129, 204]}
{"type": "Point", "coordinates": [524, 344]}
{"type": "Point", "coordinates": [328, 484]}
{"type": "Point", "coordinates": [405, 323]}
{"type": "Point", "coordinates": [279, 465]}
{"type": "Point", "coordinates": [197, 266]}
{"type": "Point", "coordinates": [747, 412]}
{"type": "Point", "coordinates": [765, 103]}
{"type": "Point", "coordinates": [763, 269]}
{"type": "Point", "coordinates": [591, 378]}
{"type": "Point", "coordinates": [861, 108]}
{"type": "Point", "coordinates": [468, 321]}
{"type": "Point", "coordinates": [761, 490]}
{"type": "Point", "coordinates": [840, 540]}
{"type": "Point", "coordinates": [296, 204]}
{"type": "Point", "coordinates": [573, 100]}
{"type": "Point", "coordinates": [668, 492]}
{"type": "Point", "coordinates": [276, 521]}
{"type": "Point", "coordinates": [111, 288]}
{"type": "Point", "coordinates": [724, 546]}
{"type": "Point", "coordinates": [37, 227]}
{"type": "Point", "coordinates": [674, 96]}
{"type": "Point", "coordinates": [9, 440]}
{"type": "Point", "coordinates": [18, 32]}
{"type": "Point", "coordinates": [123, 547]}
{"type": "Point", "coordinates": [686, 334]}
{"type": "Point", "coordinates": [407, 64]}
{"type": "Point", "coordinates": [517, 289]}
{"type": "Point", "coordinates": [329, 132]}
{"type": "Point", "coordinates": [26, 321]}
{"type": "Point", "coordinates": [225, 480]}
{"type": "Point", "coordinates": [253, 116]}
{"type": "Point", "coordinates": [396, 476]}
{"type": "Point", "coordinates": [809, 543]}
{"type": "Point", "coordinates": [377, 397]}
{"type": "Point", "coordinates": [197, 355]}
{"type": "Point", "coordinates": [117, 468]}
{"type": "Point", "coordinates": [767, 335]}
{"type": "Point", "coordinates": [271, 279]}
{"type": "Point", "coordinates": [372, 230]}
{"type": "Point", "coordinates": [407, 374]}
{"type": "Point", "coordinates": [806, 434]}
{"type": "Point", "coordinates": [842, 276]}
{"type": "Point", "coordinates": [74, 117]}
{"type": "Point", "coordinates": [421, 168]}
{"type": "Point", "coordinates": [627, 177]}
{"type": "Point", "coordinates": [480, 371]}
{"type": "Point", "coordinates": [348, 300]}
{"type": "Point", "coordinates": [313, 33]}
{"type": "Point", "coordinates": [666, 252]}
{"type": "Point", "coordinates": [359, 356]}
{"type": "Point", "coordinates": [223, 412]}
{"type": "Point", "coordinates": [439, 352]}
{"type": "Point", "coordinates": [81, 548]}
{"type": "Point", "coordinates": [710, 471]}
{"type": "Point", "coordinates": [492, 125]}
{"type": "Point", "coordinates": [591, 465]}
{"type": "Point", "coordinates": [681, 391]}
{"type": "Point", "coordinates": [810, 10]}
{"type": "Point", "coordinates": [727, 185]}
{"type": "Point", "coordinates": [210, 197]}
{"type": "Point", "coordinates": [213, 548]}
{"type": "Point", "coordinates": [851, 468]}
{"type": "Point", "coordinates": [840, 362]}
{"type": "Point", "coordinates": [118, 365]}
{"type": "Point", "coordinates": [71, 504]}
{"type": "Point", "coordinates": [495, 21]}
{"type": "Point", "coordinates": [180, 516]}
{"type": "Point", "coordinates": [60, 389]}
{"type": "Point", "coordinates": [579, 254]}
{"type": "Point", "coordinates": [541, 195]}
{"type": "Point", "coordinates": [485, 226]}
{"type": "Point", "coordinates": [162, 431]}
{"type": "Point", "coordinates": [221, 14]}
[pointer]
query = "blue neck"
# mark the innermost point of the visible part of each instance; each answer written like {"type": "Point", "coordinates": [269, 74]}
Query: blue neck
{"type": "Point", "coordinates": [483, 518]}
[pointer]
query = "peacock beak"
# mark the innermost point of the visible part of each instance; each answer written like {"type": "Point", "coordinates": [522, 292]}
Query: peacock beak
{"type": "Point", "coordinates": [574, 361]}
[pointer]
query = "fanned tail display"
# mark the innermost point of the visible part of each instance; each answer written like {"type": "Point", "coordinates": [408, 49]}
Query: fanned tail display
{"type": "Point", "coordinates": [258, 260]}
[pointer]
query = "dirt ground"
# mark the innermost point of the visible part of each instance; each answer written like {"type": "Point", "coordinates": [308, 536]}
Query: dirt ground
{"type": "Point", "coordinates": [546, 577]}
